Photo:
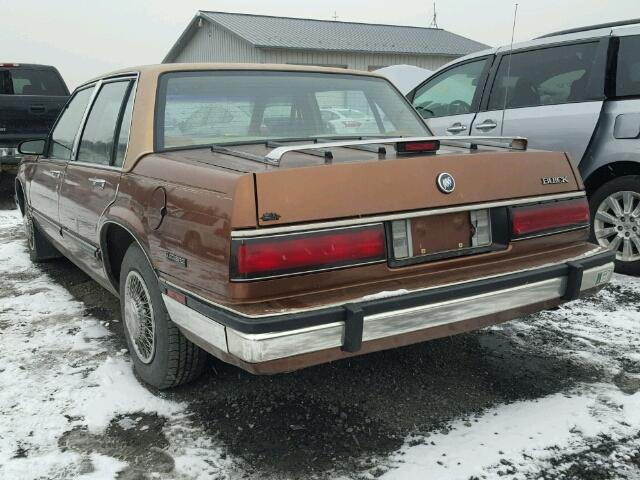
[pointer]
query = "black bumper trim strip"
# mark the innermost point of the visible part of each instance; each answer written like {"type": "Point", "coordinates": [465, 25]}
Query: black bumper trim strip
{"type": "Point", "coordinates": [297, 320]}
{"type": "Point", "coordinates": [574, 281]}
{"type": "Point", "coordinates": [353, 328]}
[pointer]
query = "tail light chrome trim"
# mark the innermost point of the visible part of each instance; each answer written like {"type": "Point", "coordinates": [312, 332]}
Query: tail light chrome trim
{"type": "Point", "coordinates": [547, 218]}
{"type": "Point", "coordinates": [299, 253]}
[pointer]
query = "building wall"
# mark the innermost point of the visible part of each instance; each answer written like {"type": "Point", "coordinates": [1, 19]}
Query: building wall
{"type": "Point", "coordinates": [357, 61]}
{"type": "Point", "coordinates": [211, 43]}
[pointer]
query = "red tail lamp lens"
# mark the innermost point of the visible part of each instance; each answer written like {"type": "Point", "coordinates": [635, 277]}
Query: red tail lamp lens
{"type": "Point", "coordinates": [417, 147]}
{"type": "Point", "coordinates": [263, 257]}
{"type": "Point", "coordinates": [549, 216]}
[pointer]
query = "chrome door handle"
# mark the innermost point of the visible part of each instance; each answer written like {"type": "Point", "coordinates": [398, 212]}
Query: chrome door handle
{"type": "Point", "coordinates": [55, 173]}
{"type": "Point", "coordinates": [456, 128]}
{"type": "Point", "coordinates": [98, 182]}
{"type": "Point", "coordinates": [487, 125]}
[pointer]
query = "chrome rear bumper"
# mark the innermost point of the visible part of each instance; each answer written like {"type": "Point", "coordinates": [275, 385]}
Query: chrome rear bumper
{"type": "Point", "coordinates": [257, 340]}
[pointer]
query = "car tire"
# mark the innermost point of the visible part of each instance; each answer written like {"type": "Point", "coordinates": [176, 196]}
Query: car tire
{"type": "Point", "coordinates": [40, 248]}
{"type": "Point", "coordinates": [162, 357]}
{"type": "Point", "coordinates": [617, 228]}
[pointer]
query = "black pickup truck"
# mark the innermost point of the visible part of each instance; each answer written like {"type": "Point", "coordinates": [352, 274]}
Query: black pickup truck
{"type": "Point", "coordinates": [31, 97]}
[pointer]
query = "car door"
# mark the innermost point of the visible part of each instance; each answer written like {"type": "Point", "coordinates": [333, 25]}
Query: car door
{"type": "Point", "coordinates": [93, 174]}
{"type": "Point", "coordinates": [44, 185]}
{"type": "Point", "coordinates": [449, 100]}
{"type": "Point", "coordinates": [553, 96]}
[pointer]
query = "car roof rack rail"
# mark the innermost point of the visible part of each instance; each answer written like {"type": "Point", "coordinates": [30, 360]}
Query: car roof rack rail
{"type": "Point", "coordinates": [512, 143]}
{"type": "Point", "coordinates": [620, 23]}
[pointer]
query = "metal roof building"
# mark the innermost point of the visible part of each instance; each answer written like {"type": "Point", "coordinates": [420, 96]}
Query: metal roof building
{"type": "Point", "coordinates": [243, 38]}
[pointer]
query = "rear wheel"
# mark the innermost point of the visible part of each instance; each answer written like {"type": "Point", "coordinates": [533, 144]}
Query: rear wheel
{"type": "Point", "coordinates": [161, 355]}
{"type": "Point", "coordinates": [40, 248]}
{"type": "Point", "coordinates": [615, 213]}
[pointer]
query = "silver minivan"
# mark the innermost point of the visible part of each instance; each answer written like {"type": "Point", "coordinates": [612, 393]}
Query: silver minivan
{"type": "Point", "coordinates": [576, 91]}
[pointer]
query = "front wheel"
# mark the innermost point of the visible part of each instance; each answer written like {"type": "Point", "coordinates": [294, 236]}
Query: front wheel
{"type": "Point", "coordinates": [161, 355]}
{"type": "Point", "coordinates": [615, 216]}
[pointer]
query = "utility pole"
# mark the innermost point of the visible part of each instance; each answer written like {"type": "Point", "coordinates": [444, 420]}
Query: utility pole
{"type": "Point", "coordinates": [434, 19]}
{"type": "Point", "coordinates": [335, 16]}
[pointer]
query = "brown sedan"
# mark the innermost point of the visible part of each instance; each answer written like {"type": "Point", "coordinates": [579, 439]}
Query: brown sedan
{"type": "Point", "coordinates": [234, 212]}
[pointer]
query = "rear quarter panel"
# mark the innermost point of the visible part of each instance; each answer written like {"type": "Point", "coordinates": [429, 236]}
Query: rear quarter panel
{"type": "Point", "coordinates": [183, 211]}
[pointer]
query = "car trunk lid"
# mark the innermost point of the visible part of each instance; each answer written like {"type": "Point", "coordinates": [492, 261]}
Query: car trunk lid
{"type": "Point", "coordinates": [406, 183]}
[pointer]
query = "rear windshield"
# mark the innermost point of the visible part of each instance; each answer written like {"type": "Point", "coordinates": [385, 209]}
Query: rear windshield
{"type": "Point", "coordinates": [204, 108]}
{"type": "Point", "coordinates": [29, 81]}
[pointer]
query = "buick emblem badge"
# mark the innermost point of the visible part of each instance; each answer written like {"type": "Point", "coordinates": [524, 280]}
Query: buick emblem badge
{"type": "Point", "coordinates": [446, 183]}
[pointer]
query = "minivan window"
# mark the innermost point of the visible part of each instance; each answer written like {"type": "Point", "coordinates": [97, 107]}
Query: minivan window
{"type": "Point", "coordinates": [450, 93]}
{"type": "Point", "coordinates": [547, 76]}
{"type": "Point", "coordinates": [248, 106]}
{"type": "Point", "coordinates": [31, 81]}
{"type": "Point", "coordinates": [66, 129]}
{"type": "Point", "coordinates": [96, 145]}
{"type": "Point", "coordinates": [628, 70]}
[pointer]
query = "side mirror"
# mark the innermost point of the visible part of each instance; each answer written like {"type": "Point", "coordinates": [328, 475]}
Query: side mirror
{"type": "Point", "coordinates": [32, 147]}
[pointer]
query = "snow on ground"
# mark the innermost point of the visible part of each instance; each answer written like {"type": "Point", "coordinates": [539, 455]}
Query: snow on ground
{"type": "Point", "coordinates": [68, 398]}
{"type": "Point", "coordinates": [59, 373]}
{"type": "Point", "coordinates": [596, 427]}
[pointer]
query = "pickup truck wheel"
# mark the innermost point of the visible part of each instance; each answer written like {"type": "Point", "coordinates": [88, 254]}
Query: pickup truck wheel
{"type": "Point", "coordinates": [161, 355]}
{"type": "Point", "coordinates": [40, 248]}
{"type": "Point", "coordinates": [615, 217]}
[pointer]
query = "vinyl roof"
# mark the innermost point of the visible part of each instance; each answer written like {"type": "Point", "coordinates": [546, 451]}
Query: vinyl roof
{"type": "Point", "coordinates": [305, 34]}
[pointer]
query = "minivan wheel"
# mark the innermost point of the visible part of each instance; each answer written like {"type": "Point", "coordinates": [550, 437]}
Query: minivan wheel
{"type": "Point", "coordinates": [615, 217]}
{"type": "Point", "coordinates": [40, 248]}
{"type": "Point", "coordinates": [161, 355]}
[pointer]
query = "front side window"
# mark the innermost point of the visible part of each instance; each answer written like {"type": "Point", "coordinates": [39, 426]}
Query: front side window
{"type": "Point", "coordinates": [211, 107]}
{"type": "Point", "coordinates": [450, 93]}
{"type": "Point", "coordinates": [628, 70]}
{"type": "Point", "coordinates": [66, 129]}
{"type": "Point", "coordinates": [548, 76]}
{"type": "Point", "coordinates": [96, 145]}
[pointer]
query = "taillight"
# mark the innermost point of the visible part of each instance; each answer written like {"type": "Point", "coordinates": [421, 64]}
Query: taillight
{"type": "Point", "coordinates": [549, 217]}
{"type": "Point", "coordinates": [305, 252]}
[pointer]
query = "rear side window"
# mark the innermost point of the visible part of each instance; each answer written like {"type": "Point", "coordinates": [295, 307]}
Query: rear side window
{"type": "Point", "coordinates": [548, 76]}
{"type": "Point", "coordinates": [125, 126]}
{"type": "Point", "coordinates": [67, 127]}
{"type": "Point", "coordinates": [628, 70]}
{"type": "Point", "coordinates": [30, 81]}
{"type": "Point", "coordinates": [450, 93]}
{"type": "Point", "coordinates": [97, 144]}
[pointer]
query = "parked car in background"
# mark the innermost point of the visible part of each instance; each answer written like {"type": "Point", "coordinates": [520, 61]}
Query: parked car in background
{"type": "Point", "coordinates": [405, 77]}
{"type": "Point", "coordinates": [349, 121]}
{"type": "Point", "coordinates": [576, 91]}
{"type": "Point", "coordinates": [278, 251]}
{"type": "Point", "coordinates": [31, 97]}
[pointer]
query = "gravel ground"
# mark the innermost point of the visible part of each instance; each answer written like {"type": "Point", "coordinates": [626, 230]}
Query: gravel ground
{"type": "Point", "coordinates": [554, 395]}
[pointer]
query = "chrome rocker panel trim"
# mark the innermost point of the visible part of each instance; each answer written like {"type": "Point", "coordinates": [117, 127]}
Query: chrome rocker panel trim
{"type": "Point", "coordinates": [281, 343]}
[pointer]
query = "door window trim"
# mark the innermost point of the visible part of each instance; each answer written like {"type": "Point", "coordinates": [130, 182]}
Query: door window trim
{"type": "Point", "coordinates": [482, 82]}
{"type": "Point", "coordinates": [132, 78]}
{"type": "Point", "coordinates": [600, 63]}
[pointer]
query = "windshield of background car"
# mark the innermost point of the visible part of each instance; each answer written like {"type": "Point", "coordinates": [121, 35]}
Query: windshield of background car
{"type": "Point", "coordinates": [214, 107]}
{"type": "Point", "coordinates": [31, 81]}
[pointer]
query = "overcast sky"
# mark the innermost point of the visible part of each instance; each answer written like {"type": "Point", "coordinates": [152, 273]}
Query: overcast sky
{"type": "Point", "coordinates": [85, 38]}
